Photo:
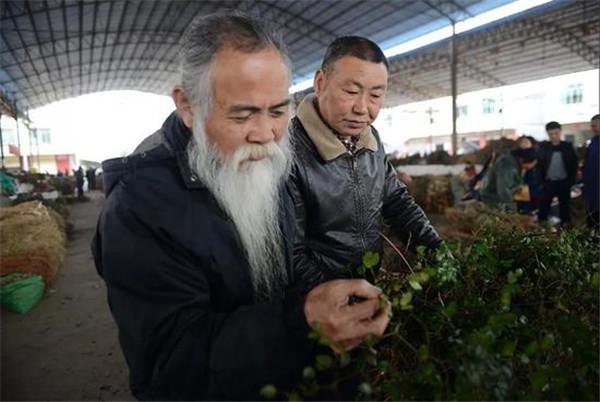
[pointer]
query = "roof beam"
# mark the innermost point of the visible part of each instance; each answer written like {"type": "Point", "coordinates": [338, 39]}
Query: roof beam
{"type": "Point", "coordinates": [20, 36]}
{"type": "Point", "coordinates": [99, 83]}
{"type": "Point", "coordinates": [91, 48]}
{"type": "Point", "coordinates": [119, 31]}
{"type": "Point", "coordinates": [37, 39]}
{"type": "Point", "coordinates": [161, 58]}
{"type": "Point", "coordinates": [161, 20]}
{"type": "Point", "coordinates": [50, 26]}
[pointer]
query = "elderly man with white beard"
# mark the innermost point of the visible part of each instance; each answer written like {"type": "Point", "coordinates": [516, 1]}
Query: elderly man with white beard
{"type": "Point", "coordinates": [195, 238]}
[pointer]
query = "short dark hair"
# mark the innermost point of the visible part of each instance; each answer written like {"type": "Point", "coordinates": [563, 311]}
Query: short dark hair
{"type": "Point", "coordinates": [596, 117]}
{"type": "Point", "coordinates": [527, 137]}
{"type": "Point", "coordinates": [355, 46]}
{"type": "Point", "coordinates": [527, 155]}
{"type": "Point", "coordinates": [553, 125]}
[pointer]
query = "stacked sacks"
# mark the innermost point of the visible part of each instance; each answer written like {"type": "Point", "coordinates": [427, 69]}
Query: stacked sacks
{"type": "Point", "coordinates": [32, 240]}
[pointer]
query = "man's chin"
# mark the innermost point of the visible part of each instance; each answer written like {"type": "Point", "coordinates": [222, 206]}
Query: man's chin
{"type": "Point", "coordinates": [249, 164]}
{"type": "Point", "coordinates": [352, 130]}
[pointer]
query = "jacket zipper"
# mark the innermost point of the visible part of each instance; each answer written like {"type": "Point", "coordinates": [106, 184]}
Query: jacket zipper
{"type": "Point", "coordinates": [358, 201]}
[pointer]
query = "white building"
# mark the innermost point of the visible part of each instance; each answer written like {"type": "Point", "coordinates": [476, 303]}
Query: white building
{"type": "Point", "coordinates": [40, 150]}
{"type": "Point", "coordinates": [510, 111]}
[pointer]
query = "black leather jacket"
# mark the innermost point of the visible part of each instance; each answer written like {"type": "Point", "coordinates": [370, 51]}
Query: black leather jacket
{"type": "Point", "coordinates": [341, 205]}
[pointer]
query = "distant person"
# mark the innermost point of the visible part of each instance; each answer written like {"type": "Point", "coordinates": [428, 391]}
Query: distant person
{"type": "Point", "coordinates": [470, 170]}
{"type": "Point", "coordinates": [531, 204]}
{"type": "Point", "coordinates": [477, 181]}
{"type": "Point", "coordinates": [79, 182]}
{"type": "Point", "coordinates": [90, 175]}
{"type": "Point", "coordinates": [504, 177]}
{"type": "Point", "coordinates": [526, 141]}
{"type": "Point", "coordinates": [591, 176]}
{"type": "Point", "coordinates": [557, 171]}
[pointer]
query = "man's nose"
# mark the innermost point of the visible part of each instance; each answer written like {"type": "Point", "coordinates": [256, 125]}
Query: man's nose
{"type": "Point", "coordinates": [360, 104]}
{"type": "Point", "coordinates": [263, 131]}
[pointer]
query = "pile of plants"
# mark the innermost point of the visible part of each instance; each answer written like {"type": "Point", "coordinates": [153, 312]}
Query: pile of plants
{"type": "Point", "coordinates": [432, 193]}
{"type": "Point", "coordinates": [512, 315]}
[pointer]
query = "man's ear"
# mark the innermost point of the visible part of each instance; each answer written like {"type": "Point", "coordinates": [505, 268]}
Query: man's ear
{"type": "Point", "coordinates": [183, 105]}
{"type": "Point", "coordinates": [319, 81]}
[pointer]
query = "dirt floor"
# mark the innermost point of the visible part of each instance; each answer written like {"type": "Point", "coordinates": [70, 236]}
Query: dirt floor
{"type": "Point", "coordinates": [66, 348]}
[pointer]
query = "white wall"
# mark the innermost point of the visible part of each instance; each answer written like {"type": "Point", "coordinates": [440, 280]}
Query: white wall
{"type": "Point", "coordinates": [525, 107]}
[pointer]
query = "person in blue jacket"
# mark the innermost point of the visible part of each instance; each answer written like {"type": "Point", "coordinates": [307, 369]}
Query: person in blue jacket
{"type": "Point", "coordinates": [591, 175]}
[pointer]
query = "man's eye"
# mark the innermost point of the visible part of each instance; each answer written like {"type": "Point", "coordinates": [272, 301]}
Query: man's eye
{"type": "Point", "coordinates": [240, 119]}
{"type": "Point", "coordinates": [376, 96]}
{"type": "Point", "coordinates": [351, 92]}
{"type": "Point", "coordinates": [277, 113]}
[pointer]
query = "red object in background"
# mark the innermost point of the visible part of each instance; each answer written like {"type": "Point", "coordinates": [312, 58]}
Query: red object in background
{"type": "Point", "coordinates": [482, 141]}
{"type": "Point", "coordinates": [63, 163]}
{"type": "Point", "coordinates": [13, 149]}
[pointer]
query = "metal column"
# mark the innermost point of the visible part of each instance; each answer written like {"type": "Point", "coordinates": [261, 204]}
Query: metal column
{"type": "Point", "coordinates": [454, 91]}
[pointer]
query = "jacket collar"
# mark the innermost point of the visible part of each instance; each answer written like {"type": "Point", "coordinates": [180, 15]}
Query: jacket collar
{"type": "Point", "coordinates": [177, 136]}
{"type": "Point", "coordinates": [325, 140]}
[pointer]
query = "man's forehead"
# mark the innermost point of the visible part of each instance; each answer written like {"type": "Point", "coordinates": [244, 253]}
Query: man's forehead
{"type": "Point", "coordinates": [350, 68]}
{"type": "Point", "coordinates": [250, 78]}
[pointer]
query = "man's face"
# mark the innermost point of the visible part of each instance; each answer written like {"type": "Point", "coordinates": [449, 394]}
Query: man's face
{"type": "Point", "coordinates": [250, 102]}
{"type": "Point", "coordinates": [350, 94]}
{"type": "Point", "coordinates": [525, 143]}
{"type": "Point", "coordinates": [554, 135]}
{"type": "Point", "coordinates": [595, 125]}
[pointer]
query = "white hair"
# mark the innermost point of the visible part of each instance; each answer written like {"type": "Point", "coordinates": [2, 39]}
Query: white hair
{"type": "Point", "coordinates": [248, 192]}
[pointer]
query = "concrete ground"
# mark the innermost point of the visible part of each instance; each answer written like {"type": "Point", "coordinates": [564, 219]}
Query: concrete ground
{"type": "Point", "coordinates": [66, 348]}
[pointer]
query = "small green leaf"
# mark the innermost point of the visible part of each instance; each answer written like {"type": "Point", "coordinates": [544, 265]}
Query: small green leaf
{"type": "Point", "coordinates": [268, 391]}
{"type": "Point", "coordinates": [294, 397]}
{"type": "Point", "coordinates": [308, 372]}
{"type": "Point", "coordinates": [508, 349]}
{"type": "Point", "coordinates": [324, 362]}
{"type": "Point", "coordinates": [415, 285]}
{"type": "Point", "coordinates": [344, 359]}
{"type": "Point", "coordinates": [450, 309]}
{"type": "Point", "coordinates": [561, 306]}
{"type": "Point", "coordinates": [405, 300]}
{"type": "Point", "coordinates": [370, 340]}
{"type": "Point", "coordinates": [370, 259]}
{"type": "Point", "coordinates": [423, 353]}
{"type": "Point", "coordinates": [365, 388]}
{"type": "Point", "coordinates": [595, 279]}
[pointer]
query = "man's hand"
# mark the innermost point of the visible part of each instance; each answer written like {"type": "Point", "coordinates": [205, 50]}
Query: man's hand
{"type": "Point", "coordinates": [345, 324]}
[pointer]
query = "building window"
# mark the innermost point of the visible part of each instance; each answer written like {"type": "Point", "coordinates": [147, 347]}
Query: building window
{"type": "Point", "coordinates": [439, 147]}
{"type": "Point", "coordinates": [489, 106]}
{"type": "Point", "coordinates": [44, 135]}
{"type": "Point", "coordinates": [573, 94]}
{"type": "Point", "coordinates": [462, 111]}
{"type": "Point", "coordinates": [9, 136]}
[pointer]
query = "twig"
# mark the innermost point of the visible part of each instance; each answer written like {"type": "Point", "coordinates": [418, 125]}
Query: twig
{"type": "Point", "coordinates": [397, 251]}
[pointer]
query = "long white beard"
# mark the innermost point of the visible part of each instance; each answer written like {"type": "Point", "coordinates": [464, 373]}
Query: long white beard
{"type": "Point", "coordinates": [248, 191]}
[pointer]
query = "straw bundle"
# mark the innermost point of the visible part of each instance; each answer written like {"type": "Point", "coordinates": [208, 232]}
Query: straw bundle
{"type": "Point", "coordinates": [432, 193]}
{"type": "Point", "coordinates": [465, 222]}
{"type": "Point", "coordinates": [32, 240]}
